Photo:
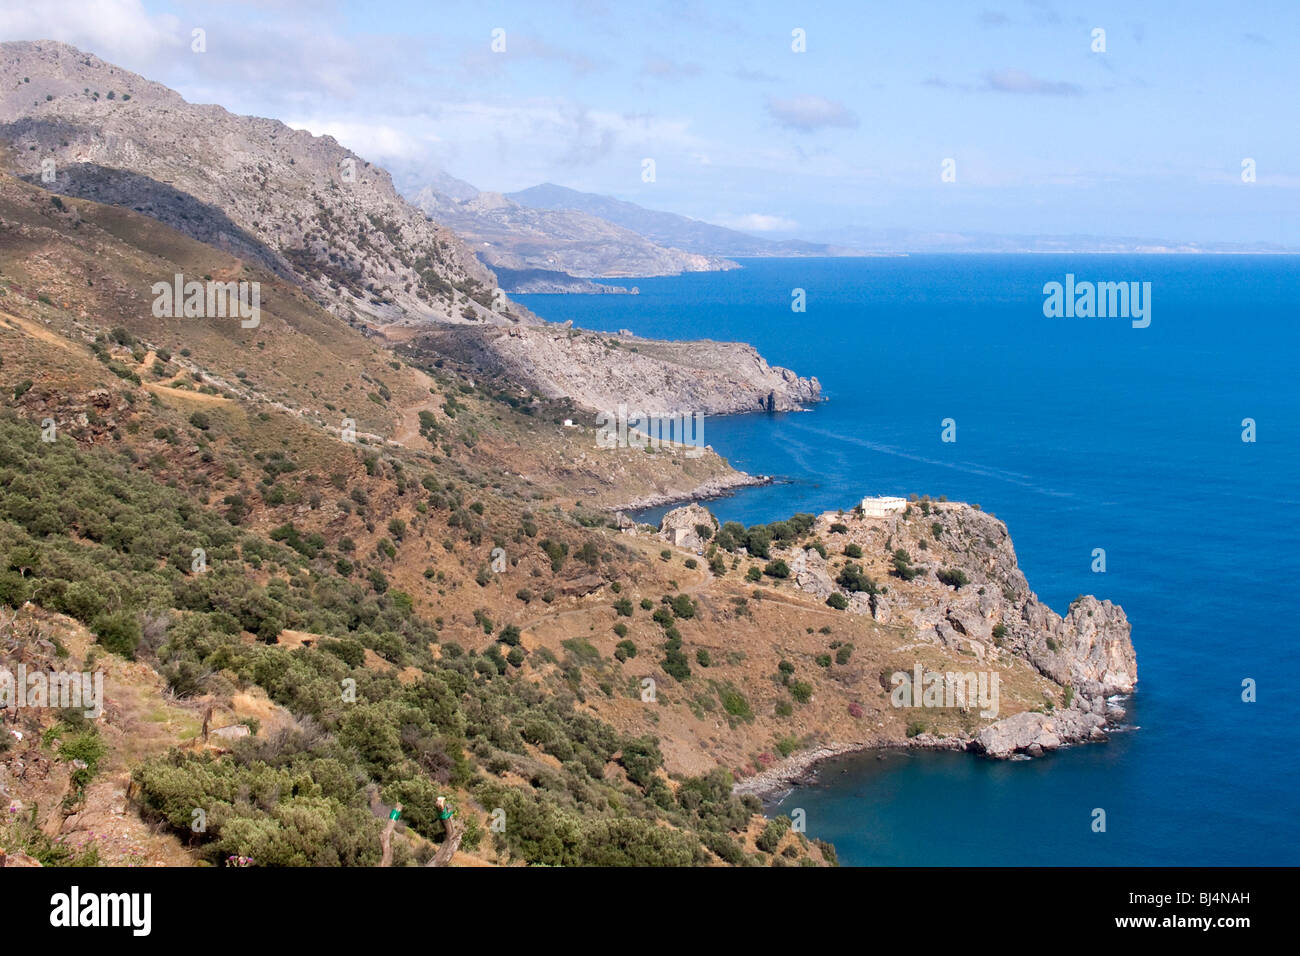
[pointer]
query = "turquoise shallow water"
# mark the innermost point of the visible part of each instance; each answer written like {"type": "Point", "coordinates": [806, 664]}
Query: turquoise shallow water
{"type": "Point", "coordinates": [1079, 433]}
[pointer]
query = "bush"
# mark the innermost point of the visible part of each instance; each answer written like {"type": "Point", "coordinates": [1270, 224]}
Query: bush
{"type": "Point", "coordinates": [118, 631]}
{"type": "Point", "coordinates": [837, 601]}
{"type": "Point", "coordinates": [777, 569]}
{"type": "Point", "coordinates": [624, 650]}
{"type": "Point", "coordinates": [772, 833]}
{"type": "Point", "coordinates": [640, 758]}
{"type": "Point", "coordinates": [853, 579]}
{"type": "Point", "coordinates": [903, 569]}
{"type": "Point", "coordinates": [735, 704]}
{"type": "Point", "coordinates": [754, 574]}
{"type": "Point", "coordinates": [852, 551]}
{"type": "Point", "coordinates": [953, 577]}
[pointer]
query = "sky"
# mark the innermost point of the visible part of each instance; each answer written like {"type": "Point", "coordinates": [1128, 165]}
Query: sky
{"type": "Point", "coordinates": [850, 130]}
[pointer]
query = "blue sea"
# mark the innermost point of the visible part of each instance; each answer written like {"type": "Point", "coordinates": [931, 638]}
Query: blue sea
{"type": "Point", "coordinates": [1079, 433]}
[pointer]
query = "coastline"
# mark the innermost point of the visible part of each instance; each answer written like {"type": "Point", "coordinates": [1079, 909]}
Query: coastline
{"type": "Point", "coordinates": [713, 488]}
{"type": "Point", "coordinates": [803, 767]}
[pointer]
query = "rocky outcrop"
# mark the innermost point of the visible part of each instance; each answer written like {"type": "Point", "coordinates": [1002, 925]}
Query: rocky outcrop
{"type": "Point", "coordinates": [550, 282]}
{"type": "Point", "coordinates": [602, 372]}
{"type": "Point", "coordinates": [1032, 733]}
{"type": "Point", "coordinates": [995, 612]}
{"type": "Point", "coordinates": [679, 526]}
{"type": "Point", "coordinates": [1090, 648]}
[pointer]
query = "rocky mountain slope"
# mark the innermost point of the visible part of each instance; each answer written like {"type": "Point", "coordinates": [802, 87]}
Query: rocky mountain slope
{"type": "Point", "coordinates": [505, 233]}
{"type": "Point", "coordinates": [298, 204]}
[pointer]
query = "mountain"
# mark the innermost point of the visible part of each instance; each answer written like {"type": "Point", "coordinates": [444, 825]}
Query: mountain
{"type": "Point", "coordinates": [669, 229]}
{"type": "Point", "coordinates": [516, 237]}
{"type": "Point", "coordinates": [301, 205]}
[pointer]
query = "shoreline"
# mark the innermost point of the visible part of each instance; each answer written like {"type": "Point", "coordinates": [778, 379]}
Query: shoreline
{"type": "Point", "coordinates": [719, 487]}
{"type": "Point", "coordinates": [803, 768]}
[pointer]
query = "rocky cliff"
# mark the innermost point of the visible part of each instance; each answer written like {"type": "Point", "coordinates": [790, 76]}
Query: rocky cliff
{"type": "Point", "coordinates": [947, 573]}
{"type": "Point", "coordinates": [1090, 648]}
{"type": "Point", "coordinates": [601, 371]}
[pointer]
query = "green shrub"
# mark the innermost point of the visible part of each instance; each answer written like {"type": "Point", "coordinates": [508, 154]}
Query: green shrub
{"type": "Point", "coordinates": [801, 691]}
{"type": "Point", "coordinates": [953, 577]}
{"type": "Point", "coordinates": [775, 829]}
{"type": "Point", "coordinates": [117, 631]}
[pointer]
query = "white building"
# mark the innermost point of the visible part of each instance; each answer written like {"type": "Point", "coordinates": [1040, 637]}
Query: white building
{"type": "Point", "coordinates": [880, 506]}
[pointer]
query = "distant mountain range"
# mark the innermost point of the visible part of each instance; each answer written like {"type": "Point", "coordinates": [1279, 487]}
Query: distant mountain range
{"type": "Point", "coordinates": [904, 241]}
{"type": "Point", "coordinates": [550, 238]}
{"type": "Point", "coordinates": [670, 229]}
{"type": "Point", "coordinates": [512, 239]}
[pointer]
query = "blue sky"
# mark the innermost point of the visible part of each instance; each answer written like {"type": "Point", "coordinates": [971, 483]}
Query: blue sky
{"type": "Point", "coordinates": [1048, 137]}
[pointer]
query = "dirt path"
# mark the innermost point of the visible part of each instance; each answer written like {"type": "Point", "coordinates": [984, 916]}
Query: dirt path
{"type": "Point", "coordinates": [199, 398]}
{"type": "Point", "coordinates": [40, 333]}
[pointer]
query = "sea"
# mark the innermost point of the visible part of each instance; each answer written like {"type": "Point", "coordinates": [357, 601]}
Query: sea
{"type": "Point", "coordinates": [1174, 448]}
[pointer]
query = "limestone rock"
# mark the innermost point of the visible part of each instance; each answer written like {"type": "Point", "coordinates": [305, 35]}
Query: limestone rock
{"type": "Point", "coordinates": [1033, 733]}
{"type": "Point", "coordinates": [678, 526]}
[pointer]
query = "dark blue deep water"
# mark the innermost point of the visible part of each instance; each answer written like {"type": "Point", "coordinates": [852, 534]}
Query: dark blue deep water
{"type": "Point", "coordinates": [1079, 433]}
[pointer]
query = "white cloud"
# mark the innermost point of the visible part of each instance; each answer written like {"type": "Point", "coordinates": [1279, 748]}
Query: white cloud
{"type": "Point", "coordinates": [375, 141]}
{"type": "Point", "coordinates": [756, 222]}
{"type": "Point", "coordinates": [120, 31]}
{"type": "Point", "coordinates": [1018, 81]}
{"type": "Point", "coordinates": [808, 113]}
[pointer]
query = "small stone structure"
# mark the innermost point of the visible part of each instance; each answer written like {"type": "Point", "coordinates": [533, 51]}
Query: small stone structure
{"type": "Point", "coordinates": [880, 506]}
